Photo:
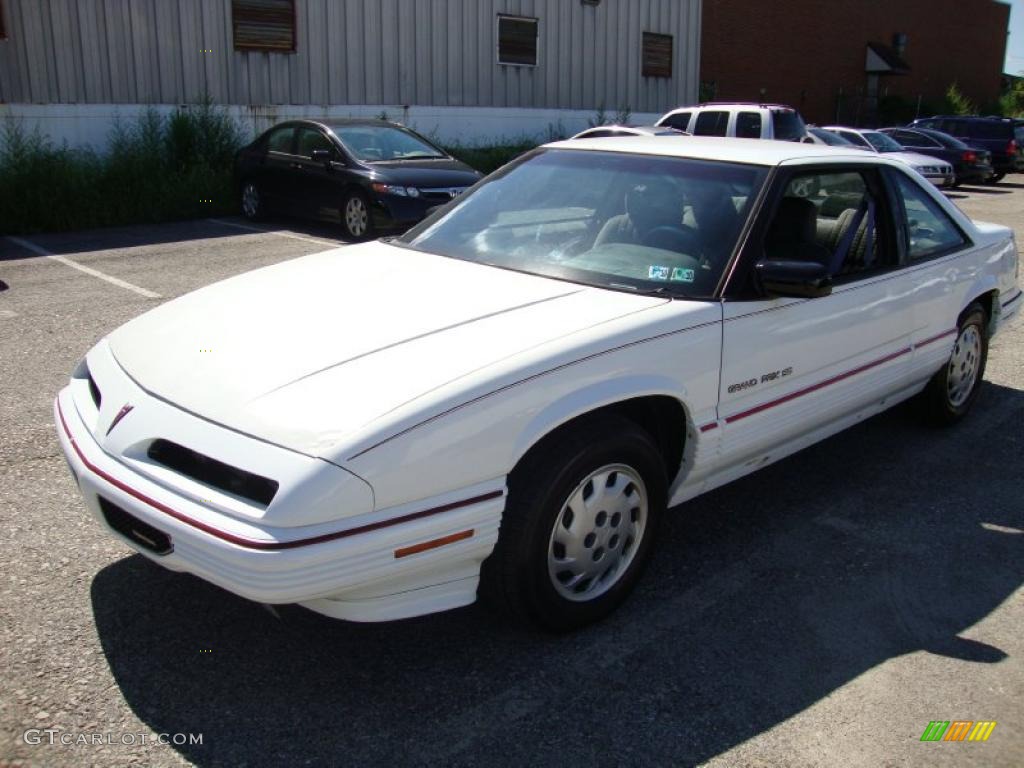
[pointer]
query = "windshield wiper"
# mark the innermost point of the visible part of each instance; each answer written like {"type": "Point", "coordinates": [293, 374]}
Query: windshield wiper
{"type": "Point", "coordinates": [660, 291]}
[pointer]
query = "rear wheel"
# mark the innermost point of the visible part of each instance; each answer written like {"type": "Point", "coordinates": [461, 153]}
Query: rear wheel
{"type": "Point", "coordinates": [995, 178]}
{"type": "Point", "coordinates": [579, 526]}
{"type": "Point", "coordinates": [953, 390]}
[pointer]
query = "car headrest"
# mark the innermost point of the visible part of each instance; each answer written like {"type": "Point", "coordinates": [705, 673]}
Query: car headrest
{"type": "Point", "coordinates": [795, 222]}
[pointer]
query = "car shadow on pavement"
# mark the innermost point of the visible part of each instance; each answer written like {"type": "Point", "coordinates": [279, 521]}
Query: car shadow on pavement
{"type": "Point", "coordinates": [984, 190]}
{"type": "Point", "coordinates": [174, 232]}
{"type": "Point", "coordinates": [763, 598]}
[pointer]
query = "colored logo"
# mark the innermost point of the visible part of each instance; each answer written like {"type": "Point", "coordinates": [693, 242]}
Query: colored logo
{"type": "Point", "coordinates": [125, 410]}
{"type": "Point", "coordinates": [958, 730]}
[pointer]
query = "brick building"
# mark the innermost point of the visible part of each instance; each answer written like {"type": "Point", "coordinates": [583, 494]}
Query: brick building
{"type": "Point", "coordinates": [853, 61]}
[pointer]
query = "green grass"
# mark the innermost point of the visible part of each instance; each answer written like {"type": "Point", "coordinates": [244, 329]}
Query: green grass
{"type": "Point", "coordinates": [156, 169]}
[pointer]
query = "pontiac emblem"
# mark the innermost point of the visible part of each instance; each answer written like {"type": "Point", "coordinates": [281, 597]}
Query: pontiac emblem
{"type": "Point", "coordinates": [125, 410]}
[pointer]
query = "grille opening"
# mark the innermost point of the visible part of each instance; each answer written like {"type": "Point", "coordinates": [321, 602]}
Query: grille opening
{"type": "Point", "coordinates": [211, 472]}
{"type": "Point", "coordinates": [129, 526]}
{"type": "Point", "coordinates": [97, 398]}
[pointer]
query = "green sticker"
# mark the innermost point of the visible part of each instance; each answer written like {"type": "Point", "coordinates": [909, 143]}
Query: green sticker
{"type": "Point", "coordinates": [683, 275]}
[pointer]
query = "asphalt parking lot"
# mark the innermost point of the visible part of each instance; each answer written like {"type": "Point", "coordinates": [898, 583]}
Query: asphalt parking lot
{"type": "Point", "coordinates": [817, 613]}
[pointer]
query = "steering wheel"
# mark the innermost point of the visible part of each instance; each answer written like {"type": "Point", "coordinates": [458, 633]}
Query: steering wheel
{"type": "Point", "coordinates": [681, 239]}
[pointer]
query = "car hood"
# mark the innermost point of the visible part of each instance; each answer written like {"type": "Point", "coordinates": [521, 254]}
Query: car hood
{"type": "Point", "coordinates": [427, 173]}
{"type": "Point", "coordinates": [915, 158]}
{"type": "Point", "coordinates": [309, 351]}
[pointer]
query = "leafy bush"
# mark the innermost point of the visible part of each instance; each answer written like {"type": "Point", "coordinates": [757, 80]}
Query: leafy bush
{"type": "Point", "coordinates": [489, 157]}
{"type": "Point", "coordinates": [155, 169]}
{"type": "Point", "coordinates": [1011, 103]}
{"type": "Point", "coordinates": [958, 103]}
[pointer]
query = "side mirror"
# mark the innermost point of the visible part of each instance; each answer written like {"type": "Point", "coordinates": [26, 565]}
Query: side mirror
{"type": "Point", "coordinates": [802, 279]}
{"type": "Point", "coordinates": [322, 156]}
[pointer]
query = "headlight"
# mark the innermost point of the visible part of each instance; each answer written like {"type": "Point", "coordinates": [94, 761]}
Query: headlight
{"type": "Point", "coordinates": [394, 189]}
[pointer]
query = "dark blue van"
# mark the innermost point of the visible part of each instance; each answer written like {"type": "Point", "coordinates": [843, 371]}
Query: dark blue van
{"type": "Point", "coordinates": [1002, 136]}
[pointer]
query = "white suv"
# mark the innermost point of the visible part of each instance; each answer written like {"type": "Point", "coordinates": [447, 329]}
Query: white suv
{"type": "Point", "coordinates": [738, 120]}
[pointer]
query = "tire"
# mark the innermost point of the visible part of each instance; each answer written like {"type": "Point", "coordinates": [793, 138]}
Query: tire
{"type": "Point", "coordinates": [953, 389]}
{"type": "Point", "coordinates": [253, 206]}
{"type": "Point", "coordinates": [995, 178]}
{"type": "Point", "coordinates": [356, 217]}
{"type": "Point", "coordinates": [529, 574]}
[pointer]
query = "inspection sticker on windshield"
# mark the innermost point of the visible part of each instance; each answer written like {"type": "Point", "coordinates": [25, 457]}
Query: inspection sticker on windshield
{"type": "Point", "coordinates": [657, 273]}
{"type": "Point", "coordinates": [683, 275]}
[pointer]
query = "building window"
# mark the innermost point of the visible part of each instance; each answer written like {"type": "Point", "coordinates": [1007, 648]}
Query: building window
{"type": "Point", "coordinates": [263, 25]}
{"type": "Point", "coordinates": [517, 40]}
{"type": "Point", "coordinates": [657, 55]}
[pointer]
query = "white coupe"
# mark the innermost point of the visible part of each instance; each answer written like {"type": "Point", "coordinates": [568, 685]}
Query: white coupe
{"type": "Point", "coordinates": [506, 399]}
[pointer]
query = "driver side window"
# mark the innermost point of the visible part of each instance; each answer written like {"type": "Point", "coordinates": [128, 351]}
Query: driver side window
{"type": "Point", "coordinates": [831, 218]}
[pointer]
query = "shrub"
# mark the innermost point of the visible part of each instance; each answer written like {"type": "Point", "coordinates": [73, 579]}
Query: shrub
{"type": "Point", "coordinates": [155, 169]}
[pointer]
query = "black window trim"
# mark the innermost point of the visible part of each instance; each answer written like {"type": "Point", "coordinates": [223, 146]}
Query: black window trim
{"type": "Point", "coordinates": [3, 22]}
{"type": "Point", "coordinates": [497, 39]}
{"type": "Point", "coordinates": [900, 216]}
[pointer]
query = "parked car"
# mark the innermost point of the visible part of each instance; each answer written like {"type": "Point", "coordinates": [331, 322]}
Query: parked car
{"type": "Point", "coordinates": [532, 376]}
{"type": "Point", "coordinates": [938, 172]}
{"type": "Point", "coordinates": [1003, 137]}
{"type": "Point", "coordinates": [608, 131]}
{"type": "Point", "coordinates": [370, 175]}
{"type": "Point", "coordinates": [819, 135]}
{"type": "Point", "coordinates": [970, 164]}
{"type": "Point", "coordinates": [738, 120]}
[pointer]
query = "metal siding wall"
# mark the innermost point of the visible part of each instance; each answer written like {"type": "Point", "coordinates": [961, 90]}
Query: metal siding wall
{"type": "Point", "coordinates": [391, 52]}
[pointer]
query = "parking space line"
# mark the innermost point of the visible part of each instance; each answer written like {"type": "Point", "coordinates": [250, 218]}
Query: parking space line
{"type": "Point", "coordinates": [248, 228]}
{"type": "Point", "coordinates": [82, 268]}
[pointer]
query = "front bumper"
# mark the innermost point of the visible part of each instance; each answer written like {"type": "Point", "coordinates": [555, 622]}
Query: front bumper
{"type": "Point", "coordinates": [380, 565]}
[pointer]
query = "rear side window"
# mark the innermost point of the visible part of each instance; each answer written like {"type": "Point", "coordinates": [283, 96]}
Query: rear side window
{"type": "Point", "coordinates": [711, 123]}
{"type": "Point", "coordinates": [680, 120]}
{"type": "Point", "coordinates": [953, 127]}
{"type": "Point", "coordinates": [981, 129]}
{"type": "Point", "coordinates": [929, 231]}
{"type": "Point", "coordinates": [311, 139]}
{"type": "Point", "coordinates": [788, 126]}
{"type": "Point", "coordinates": [748, 125]}
{"type": "Point", "coordinates": [855, 138]}
{"type": "Point", "coordinates": [280, 140]}
{"type": "Point", "coordinates": [915, 139]}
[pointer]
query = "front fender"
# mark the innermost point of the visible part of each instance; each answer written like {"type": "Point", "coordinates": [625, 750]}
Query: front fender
{"type": "Point", "coordinates": [591, 398]}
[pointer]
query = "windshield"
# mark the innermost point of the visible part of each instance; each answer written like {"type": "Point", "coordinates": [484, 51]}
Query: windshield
{"type": "Point", "coordinates": [625, 221]}
{"type": "Point", "coordinates": [882, 142]}
{"type": "Point", "coordinates": [376, 143]}
{"type": "Point", "coordinates": [832, 139]}
{"type": "Point", "coordinates": [789, 126]}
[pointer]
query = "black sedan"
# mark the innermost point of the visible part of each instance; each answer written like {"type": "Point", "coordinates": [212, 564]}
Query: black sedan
{"type": "Point", "coordinates": [369, 175]}
{"type": "Point", "coordinates": [970, 164]}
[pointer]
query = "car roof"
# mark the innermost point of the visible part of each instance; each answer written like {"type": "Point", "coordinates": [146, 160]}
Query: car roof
{"type": "Point", "coordinates": [639, 130]}
{"type": "Point", "coordinates": [748, 151]}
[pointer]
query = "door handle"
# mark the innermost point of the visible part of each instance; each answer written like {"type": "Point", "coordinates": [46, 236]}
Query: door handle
{"type": "Point", "coordinates": [296, 166]}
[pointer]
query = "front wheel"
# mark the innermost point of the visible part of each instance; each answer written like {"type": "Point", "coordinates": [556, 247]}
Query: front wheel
{"type": "Point", "coordinates": [579, 525]}
{"type": "Point", "coordinates": [253, 207]}
{"type": "Point", "coordinates": [953, 390]}
{"type": "Point", "coordinates": [356, 219]}
{"type": "Point", "coordinates": [995, 178]}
